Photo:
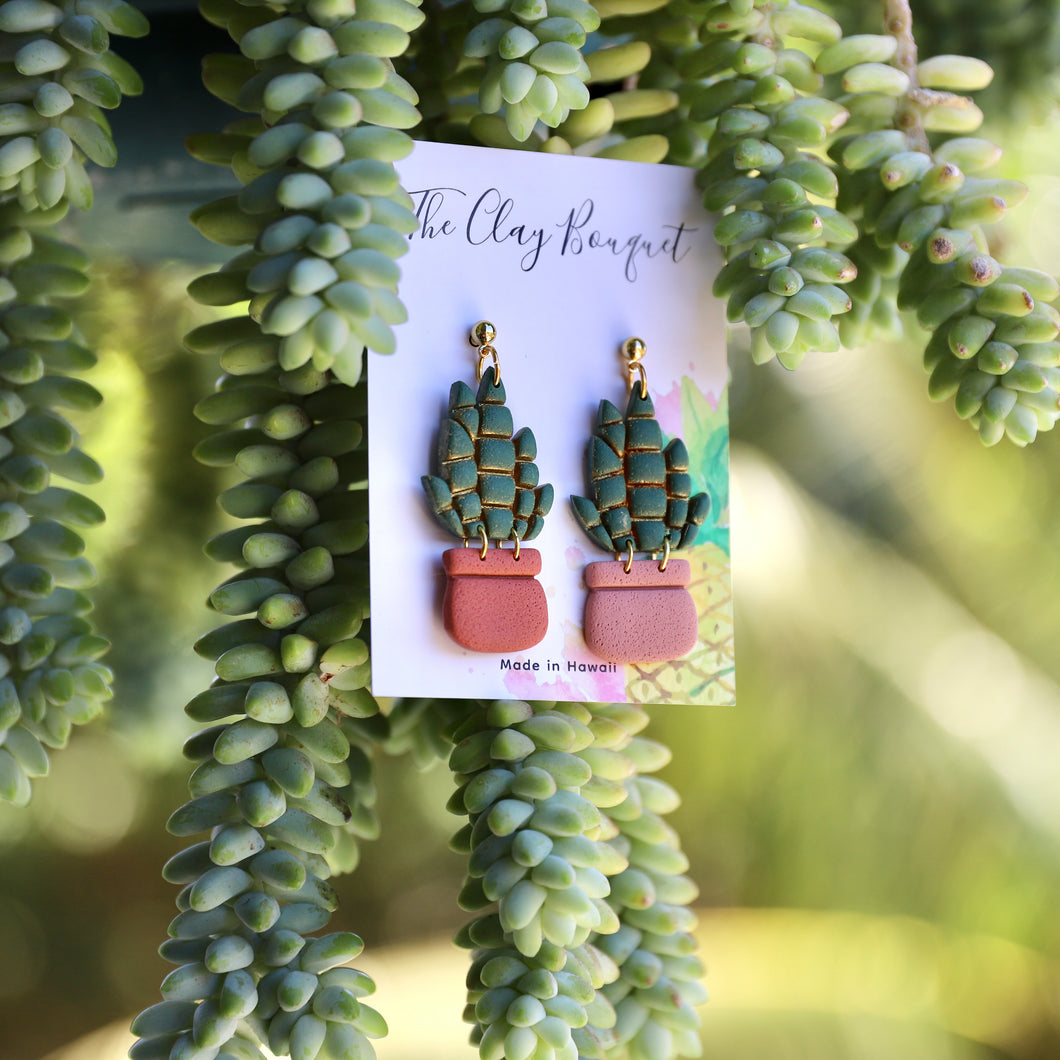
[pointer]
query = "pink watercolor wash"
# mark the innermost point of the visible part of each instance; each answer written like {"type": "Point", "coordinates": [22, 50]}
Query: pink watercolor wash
{"type": "Point", "coordinates": [599, 687]}
{"type": "Point", "coordinates": [668, 410]}
{"type": "Point", "coordinates": [575, 557]}
{"type": "Point", "coordinates": [591, 686]}
{"type": "Point", "coordinates": [523, 686]}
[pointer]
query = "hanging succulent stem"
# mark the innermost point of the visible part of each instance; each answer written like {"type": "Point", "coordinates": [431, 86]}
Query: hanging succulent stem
{"type": "Point", "coordinates": [993, 347]}
{"type": "Point", "coordinates": [534, 70]}
{"type": "Point", "coordinates": [284, 782]}
{"type": "Point", "coordinates": [538, 866]}
{"type": "Point", "coordinates": [584, 948]}
{"type": "Point", "coordinates": [322, 204]}
{"type": "Point", "coordinates": [658, 987]}
{"type": "Point", "coordinates": [783, 232]}
{"type": "Point", "coordinates": [51, 677]}
{"type": "Point", "coordinates": [59, 73]}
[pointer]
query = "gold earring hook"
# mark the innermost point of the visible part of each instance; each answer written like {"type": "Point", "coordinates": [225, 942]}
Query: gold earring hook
{"type": "Point", "coordinates": [633, 350]}
{"type": "Point", "coordinates": [481, 337]}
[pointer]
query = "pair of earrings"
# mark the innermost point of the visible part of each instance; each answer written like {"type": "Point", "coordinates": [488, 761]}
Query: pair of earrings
{"type": "Point", "coordinates": [488, 489]}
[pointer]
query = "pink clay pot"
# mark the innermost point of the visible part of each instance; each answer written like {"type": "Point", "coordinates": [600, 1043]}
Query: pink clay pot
{"type": "Point", "coordinates": [494, 604]}
{"type": "Point", "coordinates": [644, 616]}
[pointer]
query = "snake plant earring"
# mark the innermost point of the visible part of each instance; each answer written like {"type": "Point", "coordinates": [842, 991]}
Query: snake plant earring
{"type": "Point", "coordinates": [487, 490]}
{"type": "Point", "coordinates": [638, 610]}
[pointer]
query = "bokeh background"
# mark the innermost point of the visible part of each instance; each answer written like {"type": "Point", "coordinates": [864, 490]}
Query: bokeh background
{"type": "Point", "coordinates": [875, 828]}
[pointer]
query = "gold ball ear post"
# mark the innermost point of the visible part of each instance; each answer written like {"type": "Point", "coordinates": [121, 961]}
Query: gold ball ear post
{"type": "Point", "coordinates": [634, 349]}
{"type": "Point", "coordinates": [483, 334]}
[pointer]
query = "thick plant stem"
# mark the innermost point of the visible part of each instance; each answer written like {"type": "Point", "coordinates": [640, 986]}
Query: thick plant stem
{"type": "Point", "coordinates": [898, 19]}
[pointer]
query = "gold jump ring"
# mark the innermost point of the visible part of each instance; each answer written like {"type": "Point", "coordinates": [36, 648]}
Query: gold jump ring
{"type": "Point", "coordinates": [666, 553]}
{"type": "Point", "coordinates": [480, 370]}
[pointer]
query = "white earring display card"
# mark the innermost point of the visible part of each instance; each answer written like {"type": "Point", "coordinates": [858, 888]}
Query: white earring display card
{"type": "Point", "coordinates": [568, 258]}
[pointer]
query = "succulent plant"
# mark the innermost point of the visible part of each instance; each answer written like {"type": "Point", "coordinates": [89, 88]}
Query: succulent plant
{"type": "Point", "coordinates": [852, 186]}
{"type": "Point", "coordinates": [538, 877]}
{"type": "Point", "coordinates": [321, 203]}
{"type": "Point", "coordinates": [48, 650]}
{"type": "Point", "coordinates": [657, 990]}
{"type": "Point", "coordinates": [582, 941]}
{"type": "Point", "coordinates": [284, 783]}
{"type": "Point", "coordinates": [488, 483]}
{"type": "Point", "coordinates": [781, 232]}
{"type": "Point", "coordinates": [58, 71]}
{"type": "Point", "coordinates": [534, 68]}
{"type": "Point", "coordinates": [641, 493]}
{"type": "Point", "coordinates": [922, 196]}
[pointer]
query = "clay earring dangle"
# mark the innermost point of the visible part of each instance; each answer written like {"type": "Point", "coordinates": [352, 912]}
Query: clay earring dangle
{"type": "Point", "coordinates": [638, 610]}
{"type": "Point", "coordinates": [487, 490]}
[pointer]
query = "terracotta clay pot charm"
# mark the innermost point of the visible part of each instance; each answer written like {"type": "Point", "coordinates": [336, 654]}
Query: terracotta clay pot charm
{"type": "Point", "coordinates": [494, 603]}
{"type": "Point", "coordinates": [647, 615]}
{"type": "Point", "coordinates": [487, 489]}
{"type": "Point", "coordinates": [641, 500]}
